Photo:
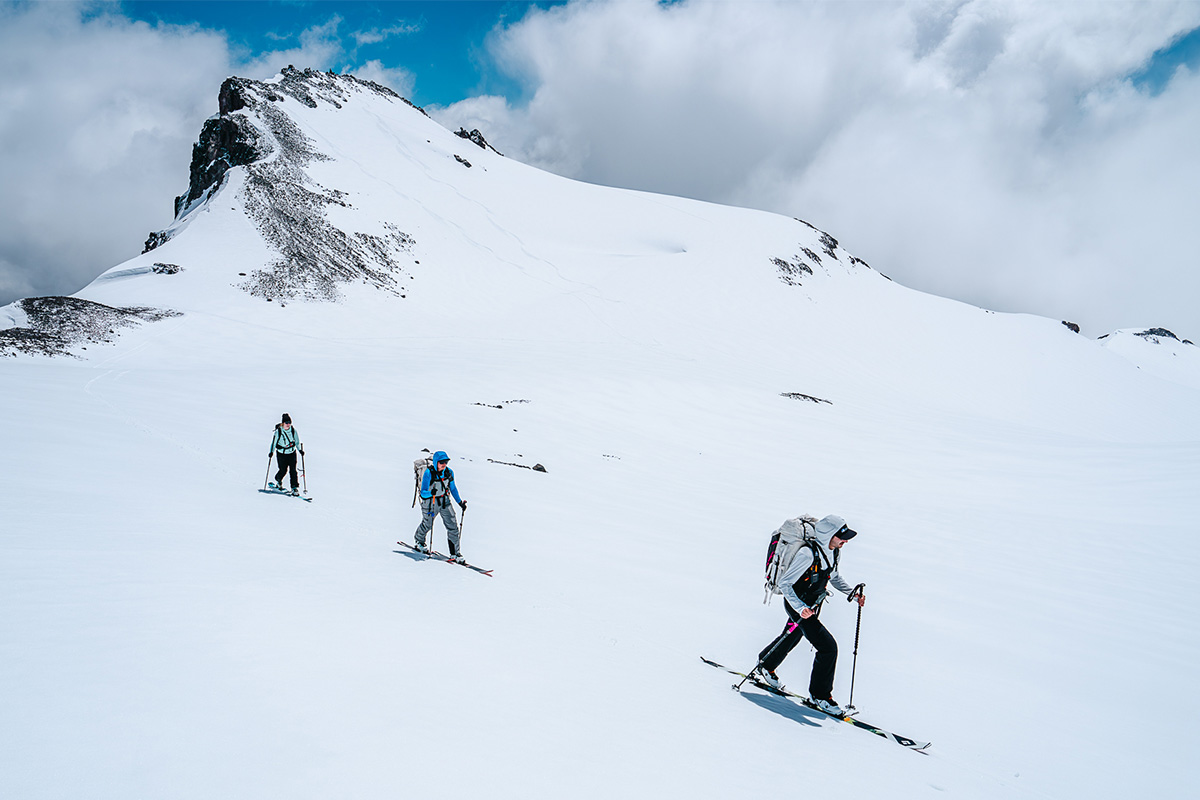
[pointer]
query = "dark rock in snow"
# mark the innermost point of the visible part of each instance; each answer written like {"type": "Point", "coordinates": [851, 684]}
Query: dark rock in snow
{"type": "Point", "coordinates": [1072, 326]}
{"type": "Point", "coordinates": [155, 239]}
{"type": "Point", "coordinates": [535, 467]}
{"type": "Point", "coordinates": [829, 245]}
{"type": "Point", "coordinates": [1154, 334]}
{"type": "Point", "coordinates": [808, 397]}
{"type": "Point", "coordinates": [55, 324]}
{"type": "Point", "coordinates": [166, 269]}
{"type": "Point", "coordinates": [476, 137]}
{"type": "Point", "coordinates": [226, 141]}
{"type": "Point", "coordinates": [790, 271]}
{"type": "Point", "coordinates": [462, 161]}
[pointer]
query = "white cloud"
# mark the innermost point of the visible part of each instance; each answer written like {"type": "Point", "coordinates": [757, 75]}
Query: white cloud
{"type": "Point", "coordinates": [320, 46]}
{"type": "Point", "coordinates": [96, 132]}
{"type": "Point", "coordinates": [990, 151]}
{"type": "Point", "coordinates": [377, 35]}
{"type": "Point", "coordinates": [399, 80]}
{"type": "Point", "coordinates": [98, 115]}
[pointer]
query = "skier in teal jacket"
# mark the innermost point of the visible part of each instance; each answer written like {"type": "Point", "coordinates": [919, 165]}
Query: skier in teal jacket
{"type": "Point", "coordinates": [284, 446]}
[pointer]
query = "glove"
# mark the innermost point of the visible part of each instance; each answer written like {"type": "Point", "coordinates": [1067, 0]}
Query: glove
{"type": "Point", "coordinates": [463, 505]}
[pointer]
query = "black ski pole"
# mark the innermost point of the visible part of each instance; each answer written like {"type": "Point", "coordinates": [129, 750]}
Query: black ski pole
{"type": "Point", "coordinates": [303, 474]}
{"type": "Point", "coordinates": [737, 687]}
{"type": "Point", "coordinates": [268, 475]}
{"type": "Point", "coordinates": [858, 591]}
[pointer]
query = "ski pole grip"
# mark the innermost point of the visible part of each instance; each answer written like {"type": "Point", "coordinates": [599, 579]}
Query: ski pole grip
{"type": "Point", "coordinates": [857, 591]}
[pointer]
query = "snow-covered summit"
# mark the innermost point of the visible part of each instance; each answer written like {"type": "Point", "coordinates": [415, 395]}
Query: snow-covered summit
{"type": "Point", "coordinates": [310, 183]}
{"type": "Point", "coordinates": [1159, 352]}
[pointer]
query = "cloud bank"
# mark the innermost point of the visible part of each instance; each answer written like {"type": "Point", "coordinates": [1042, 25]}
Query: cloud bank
{"type": "Point", "coordinates": [994, 152]}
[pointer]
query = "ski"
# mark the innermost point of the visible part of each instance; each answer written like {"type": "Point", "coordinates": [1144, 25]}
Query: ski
{"type": "Point", "coordinates": [426, 554]}
{"type": "Point", "coordinates": [273, 489]}
{"type": "Point", "coordinates": [903, 741]}
{"type": "Point", "coordinates": [436, 556]}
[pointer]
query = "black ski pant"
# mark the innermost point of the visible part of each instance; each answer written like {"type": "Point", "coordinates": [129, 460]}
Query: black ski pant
{"type": "Point", "coordinates": [820, 683]}
{"type": "Point", "coordinates": [287, 463]}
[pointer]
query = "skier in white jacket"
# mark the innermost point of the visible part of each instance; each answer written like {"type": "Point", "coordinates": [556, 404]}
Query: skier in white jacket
{"type": "Point", "coordinates": [804, 588]}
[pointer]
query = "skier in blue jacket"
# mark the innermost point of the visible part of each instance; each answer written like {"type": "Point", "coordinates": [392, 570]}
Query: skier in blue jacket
{"type": "Point", "coordinates": [437, 487]}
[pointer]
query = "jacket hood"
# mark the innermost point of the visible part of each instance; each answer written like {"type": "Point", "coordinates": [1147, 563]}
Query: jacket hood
{"type": "Point", "coordinates": [827, 527]}
{"type": "Point", "coordinates": [439, 457]}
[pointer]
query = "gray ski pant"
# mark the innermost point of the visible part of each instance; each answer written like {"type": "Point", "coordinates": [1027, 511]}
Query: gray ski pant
{"type": "Point", "coordinates": [429, 511]}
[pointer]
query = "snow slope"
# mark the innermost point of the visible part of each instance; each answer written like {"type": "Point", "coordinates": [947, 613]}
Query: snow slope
{"type": "Point", "coordinates": [1026, 500]}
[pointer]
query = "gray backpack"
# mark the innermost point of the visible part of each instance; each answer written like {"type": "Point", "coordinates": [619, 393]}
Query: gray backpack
{"type": "Point", "coordinates": [788, 540]}
{"type": "Point", "coordinates": [419, 466]}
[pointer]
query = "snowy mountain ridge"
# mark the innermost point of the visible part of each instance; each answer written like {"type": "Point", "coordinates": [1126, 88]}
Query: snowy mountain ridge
{"type": "Point", "coordinates": [687, 376]}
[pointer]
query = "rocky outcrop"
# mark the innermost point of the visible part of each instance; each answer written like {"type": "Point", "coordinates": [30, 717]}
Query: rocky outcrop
{"type": "Point", "coordinates": [253, 131]}
{"type": "Point", "coordinates": [56, 324]}
{"type": "Point", "coordinates": [158, 237]}
{"type": "Point", "coordinates": [226, 141]}
{"type": "Point", "coordinates": [791, 271]}
{"type": "Point", "coordinates": [1071, 326]}
{"type": "Point", "coordinates": [288, 207]}
{"type": "Point", "coordinates": [476, 137]}
{"type": "Point", "coordinates": [806, 397]}
{"type": "Point", "coordinates": [1154, 334]}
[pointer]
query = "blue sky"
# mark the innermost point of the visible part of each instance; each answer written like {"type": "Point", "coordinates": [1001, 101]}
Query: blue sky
{"type": "Point", "coordinates": [440, 43]}
{"type": "Point", "coordinates": [1184, 51]}
{"type": "Point", "coordinates": [1026, 157]}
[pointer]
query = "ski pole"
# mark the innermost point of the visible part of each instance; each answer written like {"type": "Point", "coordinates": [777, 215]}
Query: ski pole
{"type": "Point", "coordinates": [858, 591]}
{"type": "Point", "coordinates": [737, 687]}
{"type": "Point", "coordinates": [303, 476]}
{"type": "Point", "coordinates": [268, 475]}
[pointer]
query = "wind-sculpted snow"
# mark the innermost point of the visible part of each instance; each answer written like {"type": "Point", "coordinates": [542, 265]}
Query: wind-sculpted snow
{"type": "Point", "coordinates": [56, 324]}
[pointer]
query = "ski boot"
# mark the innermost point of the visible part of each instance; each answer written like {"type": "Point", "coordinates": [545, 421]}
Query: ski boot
{"type": "Point", "coordinates": [829, 706]}
{"type": "Point", "coordinates": [764, 675]}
